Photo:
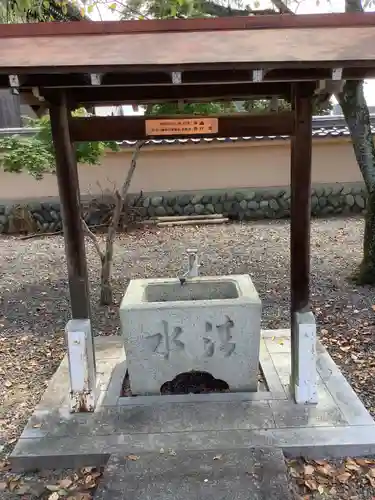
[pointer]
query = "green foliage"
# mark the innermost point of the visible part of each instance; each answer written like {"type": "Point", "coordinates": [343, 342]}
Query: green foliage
{"type": "Point", "coordinates": [204, 108]}
{"type": "Point", "coordinates": [36, 156]}
{"type": "Point", "coordinates": [263, 106]}
{"type": "Point", "coordinates": [30, 11]}
{"type": "Point", "coordinates": [30, 155]}
{"type": "Point", "coordinates": [167, 9]}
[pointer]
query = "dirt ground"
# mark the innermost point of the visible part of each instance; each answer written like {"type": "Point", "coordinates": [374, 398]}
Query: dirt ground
{"type": "Point", "coordinates": [34, 308]}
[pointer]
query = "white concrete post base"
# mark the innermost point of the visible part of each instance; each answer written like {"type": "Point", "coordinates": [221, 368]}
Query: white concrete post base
{"type": "Point", "coordinates": [304, 378]}
{"type": "Point", "coordinates": [82, 370]}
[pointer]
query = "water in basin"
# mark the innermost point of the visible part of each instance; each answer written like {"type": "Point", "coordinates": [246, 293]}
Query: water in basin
{"type": "Point", "coordinates": [201, 290]}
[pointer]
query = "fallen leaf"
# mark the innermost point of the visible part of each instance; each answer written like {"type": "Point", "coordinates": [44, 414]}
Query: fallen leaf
{"type": "Point", "coordinates": [65, 483]}
{"type": "Point", "coordinates": [352, 465]}
{"type": "Point", "coordinates": [293, 472]}
{"type": "Point", "coordinates": [373, 307]}
{"type": "Point", "coordinates": [311, 484]}
{"type": "Point", "coordinates": [344, 477]}
{"type": "Point", "coordinates": [12, 485]}
{"type": "Point", "coordinates": [133, 457]}
{"type": "Point", "coordinates": [371, 472]}
{"type": "Point", "coordinates": [54, 496]}
{"type": "Point", "coordinates": [321, 489]}
{"type": "Point", "coordinates": [87, 470]}
{"type": "Point", "coordinates": [326, 470]}
{"type": "Point", "coordinates": [91, 486]}
{"type": "Point", "coordinates": [345, 348]}
{"type": "Point", "coordinates": [308, 470]}
{"type": "Point", "coordinates": [4, 466]}
{"type": "Point", "coordinates": [371, 480]}
{"type": "Point", "coordinates": [362, 461]}
{"type": "Point", "coordinates": [52, 487]}
{"type": "Point", "coordinates": [320, 462]}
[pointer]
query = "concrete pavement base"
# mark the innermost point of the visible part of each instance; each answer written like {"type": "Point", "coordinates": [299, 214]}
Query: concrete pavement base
{"type": "Point", "coordinates": [338, 426]}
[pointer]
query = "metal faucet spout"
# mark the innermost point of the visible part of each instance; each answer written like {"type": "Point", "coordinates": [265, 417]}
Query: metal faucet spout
{"type": "Point", "coordinates": [193, 265]}
{"type": "Point", "coordinates": [193, 268]}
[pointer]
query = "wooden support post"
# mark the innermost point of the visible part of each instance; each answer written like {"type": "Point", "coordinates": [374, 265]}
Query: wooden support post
{"type": "Point", "coordinates": [79, 338]}
{"type": "Point", "coordinates": [67, 179]}
{"type": "Point", "coordinates": [303, 329]}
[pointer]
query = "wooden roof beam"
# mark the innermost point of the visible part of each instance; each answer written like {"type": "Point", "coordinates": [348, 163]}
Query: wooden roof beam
{"type": "Point", "coordinates": [201, 78]}
{"type": "Point", "coordinates": [190, 93]}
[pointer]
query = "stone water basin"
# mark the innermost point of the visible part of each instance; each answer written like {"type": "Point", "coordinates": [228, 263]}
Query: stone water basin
{"type": "Point", "coordinates": [208, 324]}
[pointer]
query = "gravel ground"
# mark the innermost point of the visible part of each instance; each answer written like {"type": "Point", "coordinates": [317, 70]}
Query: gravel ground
{"type": "Point", "coordinates": [34, 305]}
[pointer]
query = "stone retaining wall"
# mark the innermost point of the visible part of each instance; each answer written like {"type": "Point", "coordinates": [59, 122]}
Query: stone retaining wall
{"type": "Point", "coordinates": [243, 204]}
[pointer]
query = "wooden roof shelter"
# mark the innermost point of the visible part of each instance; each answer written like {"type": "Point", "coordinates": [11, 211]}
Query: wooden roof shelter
{"type": "Point", "coordinates": [73, 64]}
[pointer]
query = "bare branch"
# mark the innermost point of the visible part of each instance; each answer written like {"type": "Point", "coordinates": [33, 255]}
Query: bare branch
{"type": "Point", "coordinates": [133, 164]}
{"type": "Point", "coordinates": [262, 12]}
{"type": "Point", "coordinates": [39, 235]}
{"type": "Point", "coordinates": [93, 238]}
{"type": "Point", "coordinates": [115, 219]}
{"type": "Point", "coordinates": [283, 8]}
{"type": "Point", "coordinates": [98, 10]}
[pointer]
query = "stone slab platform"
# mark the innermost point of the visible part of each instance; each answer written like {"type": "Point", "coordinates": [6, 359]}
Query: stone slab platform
{"type": "Point", "coordinates": [338, 426]}
{"type": "Point", "coordinates": [252, 474]}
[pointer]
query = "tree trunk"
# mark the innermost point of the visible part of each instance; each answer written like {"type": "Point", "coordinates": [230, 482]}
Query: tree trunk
{"type": "Point", "coordinates": [357, 117]}
{"type": "Point", "coordinates": [106, 294]}
{"type": "Point", "coordinates": [106, 257]}
{"type": "Point", "coordinates": [354, 106]}
{"type": "Point", "coordinates": [366, 271]}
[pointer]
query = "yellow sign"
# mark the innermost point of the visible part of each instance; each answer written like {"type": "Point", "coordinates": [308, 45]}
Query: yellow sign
{"type": "Point", "coordinates": [182, 126]}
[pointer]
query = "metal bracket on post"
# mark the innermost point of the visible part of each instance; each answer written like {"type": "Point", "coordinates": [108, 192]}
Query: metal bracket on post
{"type": "Point", "coordinates": [337, 74]}
{"type": "Point", "coordinates": [193, 263]}
{"type": "Point", "coordinates": [304, 384]}
{"type": "Point", "coordinates": [82, 370]}
{"type": "Point", "coordinates": [176, 77]}
{"type": "Point", "coordinates": [14, 83]}
{"type": "Point", "coordinates": [258, 75]}
{"type": "Point", "coordinates": [96, 78]}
